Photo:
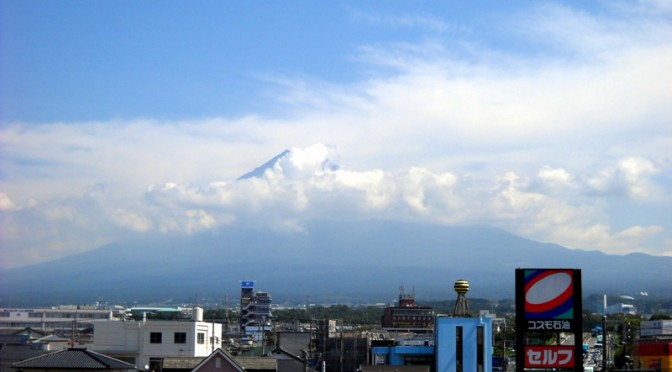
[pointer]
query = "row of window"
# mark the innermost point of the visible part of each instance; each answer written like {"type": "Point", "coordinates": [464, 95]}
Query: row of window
{"type": "Point", "coordinates": [413, 318]}
{"type": "Point", "coordinates": [43, 325]}
{"type": "Point", "coordinates": [58, 315]}
{"type": "Point", "coordinates": [178, 337]}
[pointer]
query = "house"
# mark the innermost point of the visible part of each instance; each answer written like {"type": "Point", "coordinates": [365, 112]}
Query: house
{"type": "Point", "coordinates": [258, 364]}
{"type": "Point", "coordinates": [72, 359]}
{"type": "Point", "coordinates": [219, 361]}
{"type": "Point", "coordinates": [11, 353]}
{"type": "Point", "coordinates": [18, 345]}
{"type": "Point", "coordinates": [222, 358]}
{"type": "Point", "coordinates": [288, 362]}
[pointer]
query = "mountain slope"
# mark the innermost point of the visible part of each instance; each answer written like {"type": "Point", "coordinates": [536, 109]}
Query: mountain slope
{"type": "Point", "coordinates": [365, 260]}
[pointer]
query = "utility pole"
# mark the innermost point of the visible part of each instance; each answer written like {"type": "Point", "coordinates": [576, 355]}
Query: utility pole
{"type": "Point", "coordinates": [605, 343]}
{"type": "Point", "coordinates": [605, 339]}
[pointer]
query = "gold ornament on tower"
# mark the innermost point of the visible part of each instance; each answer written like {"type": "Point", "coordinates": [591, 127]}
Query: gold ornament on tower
{"type": "Point", "coordinates": [461, 306]}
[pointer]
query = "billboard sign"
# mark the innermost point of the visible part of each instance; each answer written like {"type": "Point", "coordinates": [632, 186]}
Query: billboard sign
{"type": "Point", "coordinates": [247, 284]}
{"type": "Point", "coordinates": [549, 356]}
{"type": "Point", "coordinates": [549, 294]}
{"type": "Point", "coordinates": [548, 301]}
{"type": "Point", "coordinates": [549, 298]}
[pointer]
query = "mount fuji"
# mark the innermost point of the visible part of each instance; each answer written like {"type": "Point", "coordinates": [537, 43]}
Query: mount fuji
{"type": "Point", "coordinates": [336, 259]}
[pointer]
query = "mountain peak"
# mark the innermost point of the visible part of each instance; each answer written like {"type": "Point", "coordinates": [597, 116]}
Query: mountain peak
{"type": "Point", "coordinates": [258, 172]}
{"type": "Point", "coordinates": [296, 160]}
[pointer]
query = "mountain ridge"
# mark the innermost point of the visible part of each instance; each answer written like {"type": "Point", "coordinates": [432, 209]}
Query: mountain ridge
{"type": "Point", "coordinates": [361, 259]}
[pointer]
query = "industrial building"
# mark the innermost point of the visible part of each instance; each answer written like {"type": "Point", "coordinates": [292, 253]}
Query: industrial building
{"type": "Point", "coordinates": [53, 319]}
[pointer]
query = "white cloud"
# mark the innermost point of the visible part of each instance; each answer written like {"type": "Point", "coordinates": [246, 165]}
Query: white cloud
{"type": "Point", "coordinates": [631, 177]}
{"type": "Point", "coordinates": [5, 202]}
{"type": "Point", "coordinates": [131, 221]}
{"type": "Point", "coordinates": [407, 21]}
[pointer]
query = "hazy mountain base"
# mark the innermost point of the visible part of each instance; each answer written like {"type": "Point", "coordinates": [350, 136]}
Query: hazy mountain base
{"type": "Point", "coordinates": [330, 262]}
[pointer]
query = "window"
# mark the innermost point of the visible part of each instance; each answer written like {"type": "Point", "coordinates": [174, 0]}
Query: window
{"type": "Point", "coordinates": [155, 337]}
{"type": "Point", "coordinates": [200, 337]}
{"type": "Point", "coordinates": [156, 364]}
{"type": "Point", "coordinates": [480, 352]}
{"type": "Point", "coordinates": [459, 349]}
{"type": "Point", "coordinates": [180, 338]}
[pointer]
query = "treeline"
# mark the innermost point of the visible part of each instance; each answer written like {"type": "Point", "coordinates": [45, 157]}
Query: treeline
{"type": "Point", "coordinates": [349, 315]}
{"type": "Point", "coordinates": [364, 315]}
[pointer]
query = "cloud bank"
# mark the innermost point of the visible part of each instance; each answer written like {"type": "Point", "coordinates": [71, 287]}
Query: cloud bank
{"type": "Point", "coordinates": [563, 139]}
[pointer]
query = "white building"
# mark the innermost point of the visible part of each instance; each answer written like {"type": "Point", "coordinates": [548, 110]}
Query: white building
{"type": "Point", "coordinates": [621, 308]}
{"type": "Point", "coordinates": [656, 328]}
{"type": "Point", "coordinates": [62, 317]}
{"type": "Point", "coordinates": [147, 343]}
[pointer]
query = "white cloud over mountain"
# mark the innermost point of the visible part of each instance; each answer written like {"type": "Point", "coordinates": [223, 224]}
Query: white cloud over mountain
{"type": "Point", "coordinates": [568, 143]}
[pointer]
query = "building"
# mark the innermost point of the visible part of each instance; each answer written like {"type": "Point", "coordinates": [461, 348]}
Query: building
{"type": "Point", "coordinates": [288, 362]}
{"type": "Point", "coordinates": [53, 319]}
{"type": "Point", "coordinates": [16, 346]}
{"type": "Point", "coordinates": [656, 329]}
{"type": "Point", "coordinates": [653, 354]}
{"type": "Point", "coordinates": [463, 344]}
{"type": "Point", "coordinates": [219, 360]}
{"type": "Point", "coordinates": [403, 355]}
{"type": "Point", "coordinates": [73, 359]}
{"type": "Point", "coordinates": [621, 308]}
{"type": "Point", "coordinates": [255, 311]}
{"type": "Point", "coordinates": [460, 343]}
{"type": "Point", "coordinates": [653, 348]}
{"type": "Point", "coordinates": [408, 315]}
{"type": "Point", "coordinates": [146, 343]}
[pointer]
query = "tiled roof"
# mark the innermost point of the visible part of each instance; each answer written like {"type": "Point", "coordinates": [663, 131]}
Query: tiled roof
{"type": "Point", "coordinates": [73, 358]}
{"type": "Point", "coordinates": [220, 352]}
{"type": "Point", "coordinates": [181, 362]}
{"type": "Point", "coordinates": [258, 363]}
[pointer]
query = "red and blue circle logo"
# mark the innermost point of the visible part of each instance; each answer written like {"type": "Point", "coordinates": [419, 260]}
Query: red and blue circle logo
{"type": "Point", "coordinates": [549, 294]}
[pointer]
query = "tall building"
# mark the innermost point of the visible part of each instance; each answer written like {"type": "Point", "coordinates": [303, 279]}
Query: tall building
{"type": "Point", "coordinates": [255, 309]}
{"type": "Point", "coordinates": [246, 303]}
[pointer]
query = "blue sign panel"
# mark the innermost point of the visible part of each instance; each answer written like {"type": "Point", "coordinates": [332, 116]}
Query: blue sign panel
{"type": "Point", "coordinates": [247, 284]}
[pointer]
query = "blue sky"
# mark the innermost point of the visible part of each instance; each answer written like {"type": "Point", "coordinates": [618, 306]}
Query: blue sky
{"type": "Point", "coordinates": [549, 119]}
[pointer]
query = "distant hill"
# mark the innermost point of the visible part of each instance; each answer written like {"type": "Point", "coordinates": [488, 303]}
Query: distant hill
{"type": "Point", "coordinates": [362, 261]}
